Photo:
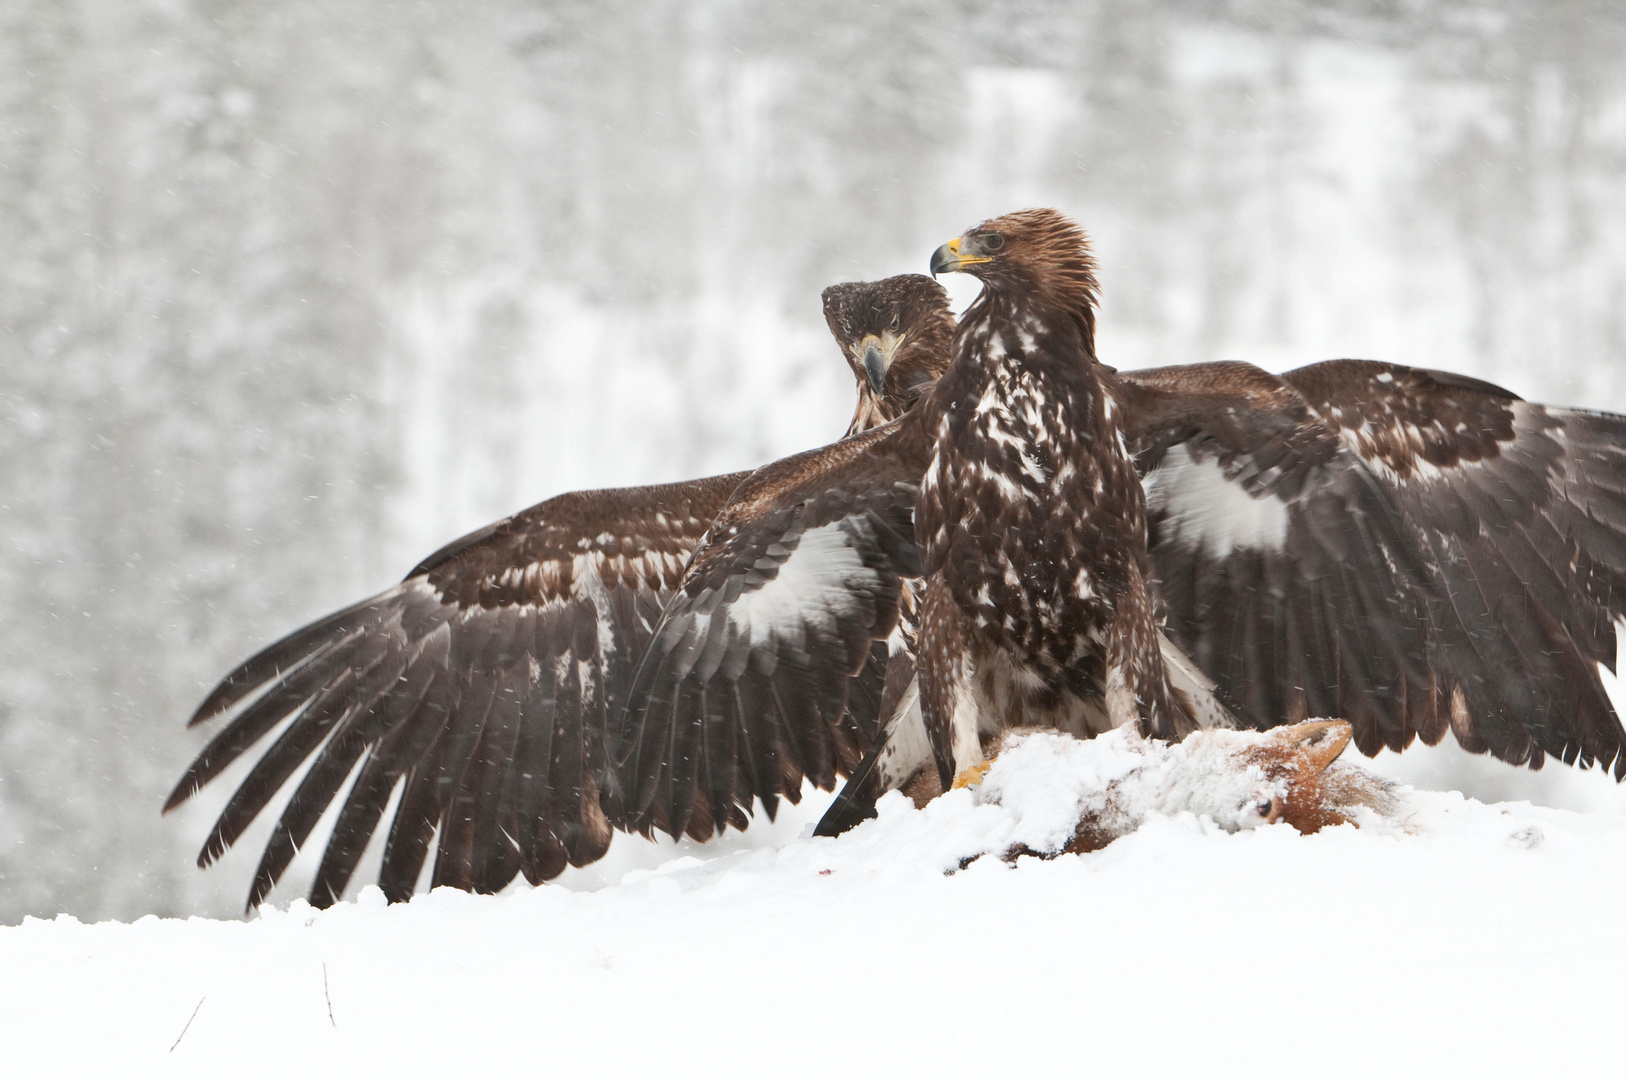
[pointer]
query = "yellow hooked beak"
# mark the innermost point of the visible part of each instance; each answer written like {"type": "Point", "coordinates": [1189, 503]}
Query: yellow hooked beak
{"type": "Point", "coordinates": [952, 256]}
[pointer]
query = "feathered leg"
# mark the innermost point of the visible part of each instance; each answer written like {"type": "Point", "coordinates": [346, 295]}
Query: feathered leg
{"type": "Point", "coordinates": [1137, 684]}
{"type": "Point", "coordinates": [948, 707]}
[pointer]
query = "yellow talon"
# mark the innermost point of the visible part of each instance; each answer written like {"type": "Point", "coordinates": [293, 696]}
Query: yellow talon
{"type": "Point", "coordinates": [973, 776]}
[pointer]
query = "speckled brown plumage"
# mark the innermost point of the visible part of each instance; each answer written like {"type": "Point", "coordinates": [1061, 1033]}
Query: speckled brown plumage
{"type": "Point", "coordinates": [1414, 551]}
{"type": "Point", "coordinates": [1031, 517]}
{"type": "Point", "coordinates": [486, 686]}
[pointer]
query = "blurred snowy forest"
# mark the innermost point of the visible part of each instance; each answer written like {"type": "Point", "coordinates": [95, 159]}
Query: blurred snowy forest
{"type": "Point", "coordinates": [291, 294]}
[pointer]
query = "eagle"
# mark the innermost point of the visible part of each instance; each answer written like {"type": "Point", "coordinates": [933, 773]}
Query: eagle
{"type": "Point", "coordinates": [1039, 605]}
{"type": "Point", "coordinates": [1413, 551]}
{"type": "Point", "coordinates": [1210, 544]}
{"type": "Point", "coordinates": [484, 687]}
{"type": "Point", "coordinates": [1008, 491]}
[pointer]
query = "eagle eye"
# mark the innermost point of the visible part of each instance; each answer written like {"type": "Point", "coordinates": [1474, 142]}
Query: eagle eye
{"type": "Point", "coordinates": [992, 241]}
{"type": "Point", "coordinates": [895, 322]}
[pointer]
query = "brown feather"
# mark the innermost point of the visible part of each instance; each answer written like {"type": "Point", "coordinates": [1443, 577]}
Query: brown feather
{"type": "Point", "coordinates": [1031, 515]}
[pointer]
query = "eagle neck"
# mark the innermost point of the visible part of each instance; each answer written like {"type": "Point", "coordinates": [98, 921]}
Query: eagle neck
{"type": "Point", "coordinates": [870, 412]}
{"type": "Point", "coordinates": [910, 379]}
{"type": "Point", "coordinates": [1067, 348]}
{"type": "Point", "coordinates": [1067, 294]}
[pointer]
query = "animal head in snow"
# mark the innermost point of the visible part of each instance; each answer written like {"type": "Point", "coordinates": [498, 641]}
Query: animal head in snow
{"type": "Point", "coordinates": [1239, 780]}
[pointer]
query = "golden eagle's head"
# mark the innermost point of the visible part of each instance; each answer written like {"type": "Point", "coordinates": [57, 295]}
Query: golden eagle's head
{"type": "Point", "coordinates": [1041, 250]}
{"type": "Point", "coordinates": [896, 335]}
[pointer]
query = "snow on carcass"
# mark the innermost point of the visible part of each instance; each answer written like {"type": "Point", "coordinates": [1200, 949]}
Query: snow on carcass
{"type": "Point", "coordinates": [1076, 797]}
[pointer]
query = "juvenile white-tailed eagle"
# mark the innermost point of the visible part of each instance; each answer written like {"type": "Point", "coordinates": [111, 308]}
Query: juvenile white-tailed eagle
{"type": "Point", "coordinates": [485, 684]}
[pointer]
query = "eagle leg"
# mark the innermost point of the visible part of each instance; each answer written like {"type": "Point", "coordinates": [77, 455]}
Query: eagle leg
{"type": "Point", "coordinates": [948, 706]}
{"type": "Point", "coordinates": [1137, 683]}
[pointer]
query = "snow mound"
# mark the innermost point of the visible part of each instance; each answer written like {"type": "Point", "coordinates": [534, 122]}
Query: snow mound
{"type": "Point", "coordinates": [1183, 947]}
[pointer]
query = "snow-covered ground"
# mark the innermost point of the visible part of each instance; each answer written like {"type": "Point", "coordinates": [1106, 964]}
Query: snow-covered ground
{"type": "Point", "coordinates": [1459, 939]}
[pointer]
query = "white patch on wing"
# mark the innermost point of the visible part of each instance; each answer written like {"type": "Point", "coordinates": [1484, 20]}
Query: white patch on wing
{"type": "Point", "coordinates": [816, 584]}
{"type": "Point", "coordinates": [1120, 699]}
{"type": "Point", "coordinates": [1204, 509]}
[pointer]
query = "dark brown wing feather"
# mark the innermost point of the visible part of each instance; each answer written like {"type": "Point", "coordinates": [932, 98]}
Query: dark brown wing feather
{"type": "Point", "coordinates": [481, 687]}
{"type": "Point", "coordinates": [764, 669]}
{"type": "Point", "coordinates": [1414, 552]}
{"type": "Point", "coordinates": [1520, 511]}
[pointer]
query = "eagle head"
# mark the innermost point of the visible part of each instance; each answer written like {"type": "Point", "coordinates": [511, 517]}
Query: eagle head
{"type": "Point", "coordinates": [896, 335]}
{"type": "Point", "coordinates": [1040, 249]}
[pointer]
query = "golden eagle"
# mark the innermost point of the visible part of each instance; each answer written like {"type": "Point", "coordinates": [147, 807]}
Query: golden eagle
{"type": "Point", "coordinates": [1029, 516]}
{"type": "Point", "coordinates": [483, 684]}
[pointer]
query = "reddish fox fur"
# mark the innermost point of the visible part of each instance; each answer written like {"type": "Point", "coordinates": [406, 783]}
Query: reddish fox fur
{"type": "Point", "coordinates": [1300, 755]}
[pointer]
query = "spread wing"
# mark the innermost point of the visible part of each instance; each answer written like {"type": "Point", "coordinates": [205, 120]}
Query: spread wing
{"type": "Point", "coordinates": [480, 687]}
{"type": "Point", "coordinates": [768, 665]}
{"type": "Point", "coordinates": [1520, 510]}
{"type": "Point", "coordinates": [1408, 550]}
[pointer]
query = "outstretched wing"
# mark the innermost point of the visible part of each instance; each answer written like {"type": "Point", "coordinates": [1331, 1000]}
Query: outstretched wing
{"type": "Point", "coordinates": [480, 687]}
{"type": "Point", "coordinates": [1520, 510]}
{"type": "Point", "coordinates": [768, 664]}
{"type": "Point", "coordinates": [1411, 551]}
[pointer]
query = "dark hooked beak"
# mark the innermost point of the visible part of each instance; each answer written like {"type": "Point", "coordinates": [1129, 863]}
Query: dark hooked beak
{"type": "Point", "coordinates": [875, 365]}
